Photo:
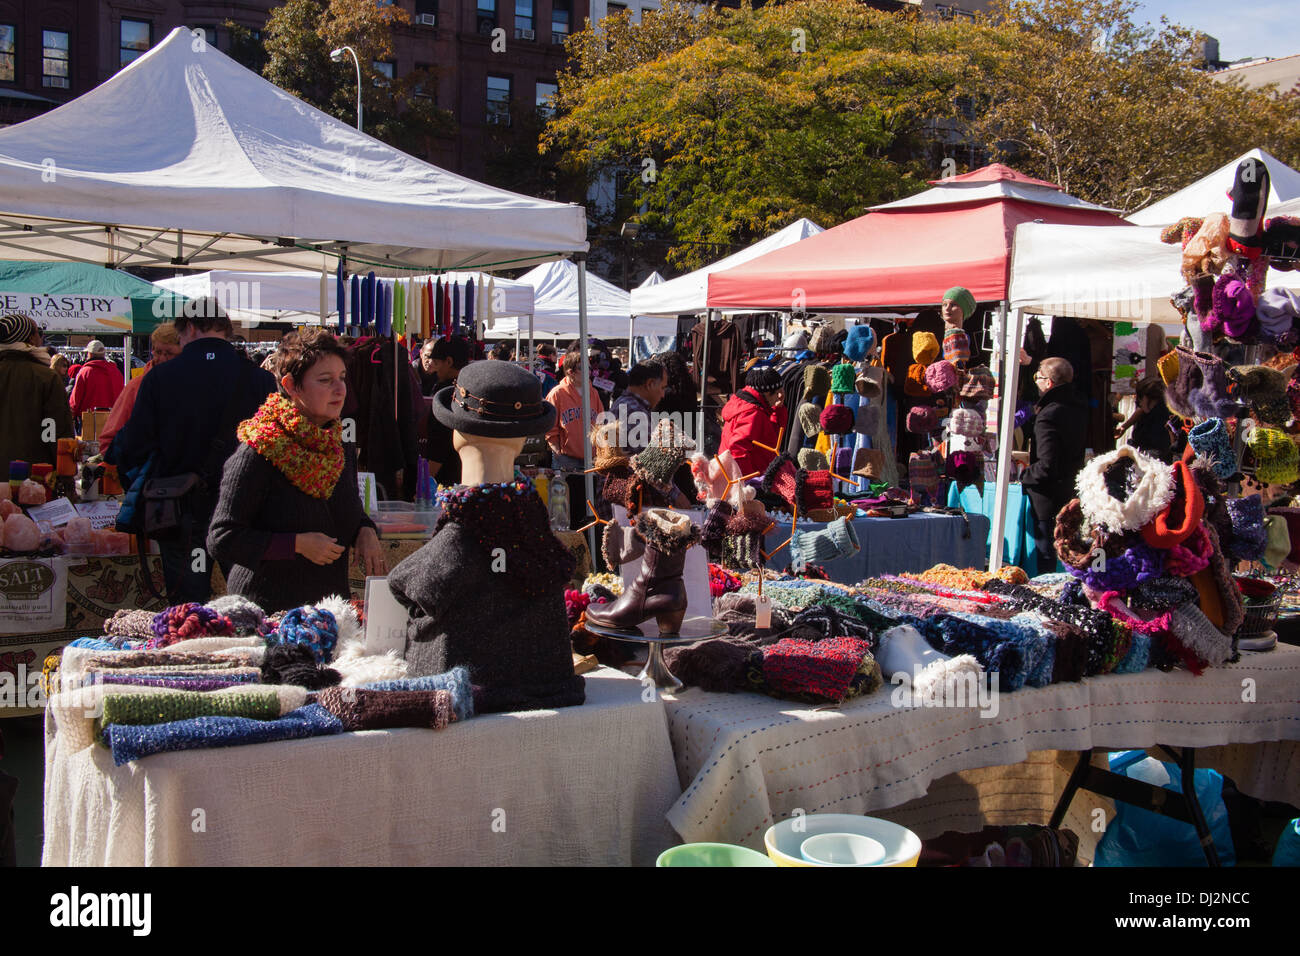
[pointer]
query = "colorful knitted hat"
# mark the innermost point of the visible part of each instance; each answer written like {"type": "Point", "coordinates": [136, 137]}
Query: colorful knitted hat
{"type": "Point", "coordinates": [656, 465]}
{"type": "Point", "coordinates": [922, 419]}
{"type": "Point", "coordinates": [782, 479]}
{"type": "Point", "coordinates": [842, 376]}
{"type": "Point", "coordinates": [1175, 523]}
{"type": "Point", "coordinates": [1276, 460]}
{"type": "Point", "coordinates": [925, 348]}
{"type": "Point", "coordinates": [1201, 389]}
{"type": "Point", "coordinates": [16, 328]}
{"type": "Point", "coordinates": [1167, 366]}
{"type": "Point", "coordinates": [1263, 389]}
{"type": "Point", "coordinates": [979, 385]}
{"type": "Point", "coordinates": [843, 460]}
{"type": "Point", "coordinates": [860, 342]}
{"type": "Point", "coordinates": [809, 419]}
{"type": "Point", "coordinates": [1234, 306]}
{"type": "Point", "coordinates": [837, 419]}
{"type": "Point", "coordinates": [1124, 489]}
{"type": "Point", "coordinates": [1277, 540]}
{"type": "Point", "coordinates": [962, 296]}
{"type": "Point", "coordinates": [836, 540]}
{"type": "Point", "coordinates": [966, 468]}
{"type": "Point", "coordinates": [816, 491]}
{"type": "Point", "coordinates": [816, 382]}
{"type": "Point", "coordinates": [811, 458]}
{"type": "Point", "coordinates": [941, 376]}
{"type": "Point", "coordinates": [923, 476]}
{"type": "Point", "coordinates": [1210, 440]}
{"type": "Point", "coordinates": [915, 383]}
{"type": "Point", "coordinates": [956, 347]}
{"type": "Point", "coordinates": [823, 340]}
{"type": "Point", "coordinates": [966, 422]}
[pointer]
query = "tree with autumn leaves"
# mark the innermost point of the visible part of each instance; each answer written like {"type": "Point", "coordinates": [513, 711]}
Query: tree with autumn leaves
{"type": "Point", "coordinates": [731, 123]}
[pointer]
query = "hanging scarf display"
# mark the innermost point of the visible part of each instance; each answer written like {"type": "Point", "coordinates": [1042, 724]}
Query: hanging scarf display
{"type": "Point", "coordinates": [446, 308]}
{"type": "Point", "coordinates": [309, 455]}
{"type": "Point", "coordinates": [455, 307]}
{"type": "Point", "coordinates": [429, 318]}
{"type": "Point", "coordinates": [341, 296]}
{"type": "Point", "coordinates": [354, 313]}
{"type": "Point", "coordinates": [437, 310]}
{"type": "Point", "coordinates": [469, 307]}
{"type": "Point", "coordinates": [399, 307]}
{"type": "Point", "coordinates": [490, 308]}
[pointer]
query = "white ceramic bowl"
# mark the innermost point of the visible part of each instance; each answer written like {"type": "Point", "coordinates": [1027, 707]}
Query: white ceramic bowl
{"type": "Point", "coordinates": [842, 849]}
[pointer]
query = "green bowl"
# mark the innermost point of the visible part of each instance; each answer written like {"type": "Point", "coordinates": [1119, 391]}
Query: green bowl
{"type": "Point", "coordinates": [712, 854]}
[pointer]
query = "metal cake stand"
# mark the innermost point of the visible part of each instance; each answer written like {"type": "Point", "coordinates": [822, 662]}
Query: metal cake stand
{"type": "Point", "coordinates": [656, 669]}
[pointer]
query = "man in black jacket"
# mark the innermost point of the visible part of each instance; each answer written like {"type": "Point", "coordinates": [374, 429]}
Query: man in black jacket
{"type": "Point", "coordinates": [177, 418]}
{"type": "Point", "coordinates": [1058, 431]}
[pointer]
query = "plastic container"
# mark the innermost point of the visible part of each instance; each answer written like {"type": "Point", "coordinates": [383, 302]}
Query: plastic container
{"type": "Point", "coordinates": [842, 849]}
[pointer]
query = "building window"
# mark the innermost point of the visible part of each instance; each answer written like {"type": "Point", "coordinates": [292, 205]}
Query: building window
{"type": "Point", "coordinates": [498, 100]}
{"type": "Point", "coordinates": [427, 84]}
{"type": "Point", "coordinates": [560, 17]}
{"type": "Point", "coordinates": [950, 12]}
{"type": "Point", "coordinates": [7, 68]}
{"type": "Point", "coordinates": [614, 9]}
{"type": "Point", "coordinates": [546, 97]}
{"type": "Point", "coordinates": [386, 70]}
{"type": "Point", "coordinates": [487, 15]}
{"type": "Point", "coordinates": [54, 59]}
{"type": "Point", "coordinates": [135, 39]}
{"type": "Point", "coordinates": [525, 24]}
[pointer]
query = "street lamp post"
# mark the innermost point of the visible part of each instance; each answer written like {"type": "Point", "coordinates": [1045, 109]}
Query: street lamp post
{"type": "Point", "coordinates": [337, 57]}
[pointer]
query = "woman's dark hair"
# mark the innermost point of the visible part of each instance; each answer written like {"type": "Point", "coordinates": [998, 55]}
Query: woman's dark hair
{"type": "Point", "coordinates": [502, 352]}
{"type": "Point", "coordinates": [299, 351]}
{"type": "Point", "coordinates": [1151, 388]}
{"type": "Point", "coordinates": [647, 371]}
{"type": "Point", "coordinates": [681, 395]}
{"type": "Point", "coordinates": [763, 379]}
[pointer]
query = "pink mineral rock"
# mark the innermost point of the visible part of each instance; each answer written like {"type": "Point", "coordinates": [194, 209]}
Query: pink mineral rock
{"type": "Point", "coordinates": [21, 533]}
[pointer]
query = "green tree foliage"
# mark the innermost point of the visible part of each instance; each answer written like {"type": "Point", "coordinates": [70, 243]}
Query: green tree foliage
{"type": "Point", "coordinates": [298, 39]}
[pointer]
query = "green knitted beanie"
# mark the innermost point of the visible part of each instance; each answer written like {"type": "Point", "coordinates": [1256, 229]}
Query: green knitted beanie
{"type": "Point", "coordinates": [963, 298]}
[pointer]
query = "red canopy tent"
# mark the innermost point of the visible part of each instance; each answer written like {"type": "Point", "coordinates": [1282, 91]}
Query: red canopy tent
{"type": "Point", "coordinates": [909, 252]}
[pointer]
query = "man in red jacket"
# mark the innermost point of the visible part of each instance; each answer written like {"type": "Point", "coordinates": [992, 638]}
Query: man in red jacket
{"type": "Point", "coordinates": [754, 414]}
{"type": "Point", "coordinates": [98, 383]}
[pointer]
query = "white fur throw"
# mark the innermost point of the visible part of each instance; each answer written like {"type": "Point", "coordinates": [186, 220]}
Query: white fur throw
{"type": "Point", "coordinates": [1154, 490]}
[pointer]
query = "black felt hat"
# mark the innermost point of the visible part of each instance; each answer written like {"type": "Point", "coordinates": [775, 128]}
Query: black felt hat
{"type": "Point", "coordinates": [496, 400]}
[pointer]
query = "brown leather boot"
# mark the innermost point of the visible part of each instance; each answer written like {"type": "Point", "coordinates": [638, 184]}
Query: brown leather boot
{"type": "Point", "coordinates": [658, 590]}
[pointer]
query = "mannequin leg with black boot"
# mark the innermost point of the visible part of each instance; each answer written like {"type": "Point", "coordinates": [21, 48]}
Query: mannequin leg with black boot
{"type": "Point", "coordinates": [658, 590]}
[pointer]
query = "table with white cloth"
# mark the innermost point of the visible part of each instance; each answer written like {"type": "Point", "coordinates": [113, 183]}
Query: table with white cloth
{"type": "Point", "coordinates": [579, 785]}
{"type": "Point", "coordinates": [1018, 535]}
{"type": "Point", "coordinates": [747, 761]}
{"type": "Point", "coordinates": [896, 545]}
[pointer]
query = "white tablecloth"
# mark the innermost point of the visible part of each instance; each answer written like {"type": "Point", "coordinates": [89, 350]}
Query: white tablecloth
{"type": "Point", "coordinates": [747, 761]}
{"type": "Point", "coordinates": [582, 785]}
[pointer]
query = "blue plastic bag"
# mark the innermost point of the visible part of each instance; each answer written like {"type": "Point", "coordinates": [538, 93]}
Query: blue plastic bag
{"type": "Point", "coordinates": [1141, 838]}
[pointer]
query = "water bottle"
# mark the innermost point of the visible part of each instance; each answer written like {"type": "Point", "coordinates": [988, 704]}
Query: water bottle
{"type": "Point", "coordinates": [559, 504]}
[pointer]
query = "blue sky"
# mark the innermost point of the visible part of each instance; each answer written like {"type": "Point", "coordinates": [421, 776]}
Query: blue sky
{"type": "Point", "coordinates": [1249, 28]}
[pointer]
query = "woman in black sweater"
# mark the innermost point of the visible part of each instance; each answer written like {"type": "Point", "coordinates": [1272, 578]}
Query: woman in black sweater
{"type": "Point", "coordinates": [289, 507]}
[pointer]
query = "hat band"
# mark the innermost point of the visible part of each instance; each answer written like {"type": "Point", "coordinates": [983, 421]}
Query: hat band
{"type": "Point", "coordinates": [491, 409]}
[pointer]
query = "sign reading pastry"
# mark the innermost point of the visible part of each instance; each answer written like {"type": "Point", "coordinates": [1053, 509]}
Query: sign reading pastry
{"type": "Point", "coordinates": [71, 313]}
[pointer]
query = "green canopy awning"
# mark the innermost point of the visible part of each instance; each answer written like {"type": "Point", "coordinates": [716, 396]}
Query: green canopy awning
{"type": "Point", "coordinates": [86, 298]}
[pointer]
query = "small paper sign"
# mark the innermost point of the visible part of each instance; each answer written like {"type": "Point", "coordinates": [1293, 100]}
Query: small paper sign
{"type": "Point", "coordinates": [102, 514]}
{"type": "Point", "coordinates": [385, 619]}
{"type": "Point", "coordinates": [763, 612]}
{"type": "Point", "coordinates": [56, 512]}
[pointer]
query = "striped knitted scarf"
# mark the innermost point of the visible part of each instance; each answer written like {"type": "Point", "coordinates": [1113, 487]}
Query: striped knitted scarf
{"type": "Point", "coordinates": [309, 455]}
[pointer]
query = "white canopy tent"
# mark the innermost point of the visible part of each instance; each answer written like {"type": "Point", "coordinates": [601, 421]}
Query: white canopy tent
{"type": "Point", "coordinates": [195, 161]}
{"type": "Point", "coordinates": [1209, 194]}
{"type": "Point", "coordinates": [555, 310]}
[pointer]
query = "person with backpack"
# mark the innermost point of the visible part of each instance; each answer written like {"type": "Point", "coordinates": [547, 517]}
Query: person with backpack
{"type": "Point", "coordinates": [183, 423]}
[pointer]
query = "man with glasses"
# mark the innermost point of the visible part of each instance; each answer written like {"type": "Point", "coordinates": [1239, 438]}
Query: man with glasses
{"type": "Point", "coordinates": [1057, 434]}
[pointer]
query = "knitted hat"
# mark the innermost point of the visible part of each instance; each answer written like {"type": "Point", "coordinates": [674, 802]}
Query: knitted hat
{"type": "Point", "coordinates": [811, 458]}
{"type": "Point", "coordinates": [1277, 540]}
{"type": "Point", "coordinates": [941, 376]}
{"type": "Point", "coordinates": [809, 419]}
{"type": "Point", "coordinates": [923, 476]}
{"type": "Point", "coordinates": [956, 347]}
{"type": "Point", "coordinates": [1176, 522]}
{"type": "Point", "coordinates": [860, 342]}
{"type": "Point", "coordinates": [668, 532]}
{"type": "Point", "coordinates": [16, 328]}
{"type": "Point", "coordinates": [1263, 389]}
{"type": "Point", "coordinates": [1276, 459]}
{"type": "Point", "coordinates": [763, 379]}
{"type": "Point", "coordinates": [605, 449]}
{"type": "Point", "coordinates": [915, 383]}
{"type": "Point", "coordinates": [979, 385]}
{"type": "Point", "coordinates": [1201, 389]}
{"type": "Point", "coordinates": [836, 540]}
{"type": "Point", "coordinates": [1167, 366]}
{"type": "Point", "coordinates": [843, 460]}
{"type": "Point", "coordinates": [967, 422]}
{"type": "Point", "coordinates": [837, 419]}
{"type": "Point", "coordinates": [966, 468]}
{"type": "Point", "coordinates": [866, 419]}
{"type": "Point", "coordinates": [1234, 306]}
{"type": "Point", "coordinates": [816, 382]}
{"type": "Point", "coordinates": [870, 382]}
{"type": "Point", "coordinates": [656, 465]}
{"type": "Point", "coordinates": [842, 376]}
{"type": "Point", "coordinates": [816, 491]}
{"type": "Point", "coordinates": [1278, 310]}
{"type": "Point", "coordinates": [823, 340]}
{"type": "Point", "coordinates": [869, 462]}
{"type": "Point", "coordinates": [1210, 440]}
{"type": "Point", "coordinates": [963, 298]}
{"type": "Point", "coordinates": [782, 479]}
{"type": "Point", "coordinates": [925, 348]}
{"type": "Point", "coordinates": [922, 419]}
{"type": "Point", "coordinates": [796, 339]}
{"type": "Point", "coordinates": [1248, 538]}
{"type": "Point", "coordinates": [1124, 489]}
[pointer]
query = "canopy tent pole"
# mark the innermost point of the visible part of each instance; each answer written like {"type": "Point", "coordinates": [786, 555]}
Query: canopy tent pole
{"type": "Point", "coordinates": [703, 372]}
{"type": "Point", "coordinates": [126, 357]}
{"type": "Point", "coordinates": [517, 340]}
{"type": "Point", "coordinates": [631, 332]}
{"type": "Point", "coordinates": [1013, 334]}
{"type": "Point", "coordinates": [532, 349]}
{"type": "Point", "coordinates": [585, 387]}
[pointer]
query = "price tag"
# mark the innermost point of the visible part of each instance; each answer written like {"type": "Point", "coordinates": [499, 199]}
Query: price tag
{"type": "Point", "coordinates": [763, 612]}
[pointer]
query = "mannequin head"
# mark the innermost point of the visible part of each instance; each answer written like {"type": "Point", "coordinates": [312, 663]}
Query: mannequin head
{"type": "Point", "coordinates": [486, 460]}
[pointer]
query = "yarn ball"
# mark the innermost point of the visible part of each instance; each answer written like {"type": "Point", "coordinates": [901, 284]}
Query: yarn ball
{"type": "Point", "coordinates": [941, 376]}
{"type": "Point", "coordinates": [837, 419]}
{"type": "Point", "coordinates": [296, 664]}
{"type": "Point", "coordinates": [575, 602]}
{"type": "Point", "coordinates": [243, 614]}
{"type": "Point", "coordinates": [313, 628]}
{"type": "Point", "coordinates": [185, 621]}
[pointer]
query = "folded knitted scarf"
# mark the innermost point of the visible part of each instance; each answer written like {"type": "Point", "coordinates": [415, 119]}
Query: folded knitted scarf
{"type": "Point", "coordinates": [257, 702]}
{"type": "Point", "coordinates": [179, 682]}
{"type": "Point", "coordinates": [814, 670]}
{"type": "Point", "coordinates": [455, 681]}
{"type": "Point", "coordinates": [737, 611]}
{"type": "Point", "coordinates": [822, 622]}
{"type": "Point", "coordinates": [173, 659]}
{"type": "Point", "coordinates": [132, 742]}
{"type": "Point", "coordinates": [379, 709]}
{"type": "Point", "coordinates": [296, 664]}
{"type": "Point", "coordinates": [309, 455]}
{"type": "Point", "coordinates": [719, 665]}
{"type": "Point", "coordinates": [133, 623]}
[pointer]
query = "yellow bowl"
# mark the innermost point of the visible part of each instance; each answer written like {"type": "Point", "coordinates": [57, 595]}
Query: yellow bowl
{"type": "Point", "coordinates": [902, 846]}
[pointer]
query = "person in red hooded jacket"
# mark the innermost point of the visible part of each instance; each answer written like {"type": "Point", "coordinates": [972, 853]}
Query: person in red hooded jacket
{"type": "Point", "coordinates": [98, 383]}
{"type": "Point", "coordinates": [754, 414]}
